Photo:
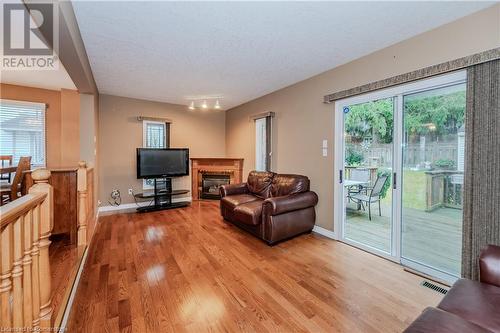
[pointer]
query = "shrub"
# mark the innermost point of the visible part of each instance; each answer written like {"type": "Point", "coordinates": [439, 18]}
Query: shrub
{"type": "Point", "coordinates": [353, 158]}
{"type": "Point", "coordinates": [388, 173]}
{"type": "Point", "coordinates": [444, 164]}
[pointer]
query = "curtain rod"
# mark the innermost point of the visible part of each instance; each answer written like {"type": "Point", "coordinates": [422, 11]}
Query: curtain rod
{"type": "Point", "coordinates": [165, 120]}
{"type": "Point", "coordinates": [262, 115]}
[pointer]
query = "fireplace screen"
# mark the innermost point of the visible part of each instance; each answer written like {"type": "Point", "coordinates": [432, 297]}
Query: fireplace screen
{"type": "Point", "coordinates": [210, 185]}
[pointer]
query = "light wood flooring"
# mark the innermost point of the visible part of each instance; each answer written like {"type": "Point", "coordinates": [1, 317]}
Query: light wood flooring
{"type": "Point", "coordinates": [65, 259]}
{"type": "Point", "coordinates": [186, 270]}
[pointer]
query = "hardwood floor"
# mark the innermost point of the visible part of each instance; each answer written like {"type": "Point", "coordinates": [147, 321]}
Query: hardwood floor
{"type": "Point", "coordinates": [65, 259]}
{"type": "Point", "coordinates": [187, 270]}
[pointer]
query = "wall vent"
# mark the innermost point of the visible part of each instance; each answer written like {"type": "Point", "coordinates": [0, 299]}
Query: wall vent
{"type": "Point", "coordinates": [434, 287]}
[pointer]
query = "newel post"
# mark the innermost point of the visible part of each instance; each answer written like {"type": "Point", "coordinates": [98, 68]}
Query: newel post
{"type": "Point", "coordinates": [82, 202]}
{"type": "Point", "coordinates": [46, 222]}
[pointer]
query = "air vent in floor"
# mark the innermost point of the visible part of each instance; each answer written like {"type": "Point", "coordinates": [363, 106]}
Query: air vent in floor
{"type": "Point", "coordinates": [434, 287]}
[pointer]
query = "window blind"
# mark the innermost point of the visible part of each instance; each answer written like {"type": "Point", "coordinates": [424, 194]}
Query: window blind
{"type": "Point", "coordinates": [22, 130]}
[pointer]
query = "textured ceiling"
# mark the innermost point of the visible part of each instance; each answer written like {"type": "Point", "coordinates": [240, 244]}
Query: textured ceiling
{"type": "Point", "coordinates": [46, 79]}
{"type": "Point", "coordinates": [171, 51]}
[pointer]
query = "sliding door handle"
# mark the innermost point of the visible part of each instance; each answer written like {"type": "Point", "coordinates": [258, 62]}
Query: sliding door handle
{"type": "Point", "coordinates": [394, 181]}
{"type": "Point", "coordinates": [341, 176]}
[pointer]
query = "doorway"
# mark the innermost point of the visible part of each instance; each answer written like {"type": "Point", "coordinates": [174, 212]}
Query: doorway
{"type": "Point", "coordinates": [399, 173]}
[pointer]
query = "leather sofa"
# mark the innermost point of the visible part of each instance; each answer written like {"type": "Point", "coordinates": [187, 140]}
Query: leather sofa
{"type": "Point", "coordinates": [271, 206]}
{"type": "Point", "coordinates": [469, 306]}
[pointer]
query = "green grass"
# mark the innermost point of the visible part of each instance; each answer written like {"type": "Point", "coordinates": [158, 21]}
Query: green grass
{"type": "Point", "coordinates": [413, 190]}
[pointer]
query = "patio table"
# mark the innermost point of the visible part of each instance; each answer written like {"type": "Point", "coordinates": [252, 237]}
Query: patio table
{"type": "Point", "coordinates": [352, 183]}
{"type": "Point", "coordinates": [349, 183]}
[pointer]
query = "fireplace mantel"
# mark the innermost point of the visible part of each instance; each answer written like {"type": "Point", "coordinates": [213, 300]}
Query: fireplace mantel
{"type": "Point", "coordinates": [231, 166]}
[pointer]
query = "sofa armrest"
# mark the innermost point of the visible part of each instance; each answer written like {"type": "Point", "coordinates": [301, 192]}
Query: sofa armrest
{"type": "Point", "coordinates": [489, 265]}
{"type": "Point", "coordinates": [288, 203]}
{"type": "Point", "coordinates": [233, 189]}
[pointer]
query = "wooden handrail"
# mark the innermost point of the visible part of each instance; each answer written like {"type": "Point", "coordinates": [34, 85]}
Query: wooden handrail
{"type": "Point", "coordinates": [25, 289]}
{"type": "Point", "coordinates": [10, 212]}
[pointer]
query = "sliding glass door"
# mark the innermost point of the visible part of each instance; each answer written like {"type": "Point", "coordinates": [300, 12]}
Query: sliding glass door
{"type": "Point", "coordinates": [433, 175]}
{"type": "Point", "coordinates": [400, 173]}
{"type": "Point", "coordinates": [368, 150]}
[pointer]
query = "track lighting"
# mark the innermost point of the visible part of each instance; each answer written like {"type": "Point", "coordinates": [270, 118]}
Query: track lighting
{"type": "Point", "coordinates": [191, 106]}
{"type": "Point", "coordinates": [217, 105]}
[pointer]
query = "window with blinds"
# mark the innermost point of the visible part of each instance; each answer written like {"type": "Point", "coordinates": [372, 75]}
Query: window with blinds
{"type": "Point", "coordinates": [22, 130]}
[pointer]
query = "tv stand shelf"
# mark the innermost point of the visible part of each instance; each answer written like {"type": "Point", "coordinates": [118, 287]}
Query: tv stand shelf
{"type": "Point", "coordinates": [151, 194]}
{"type": "Point", "coordinates": [162, 197]}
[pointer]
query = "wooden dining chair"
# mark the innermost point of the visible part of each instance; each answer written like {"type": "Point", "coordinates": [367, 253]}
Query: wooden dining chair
{"type": "Point", "coordinates": [6, 160]}
{"type": "Point", "coordinates": [12, 191]}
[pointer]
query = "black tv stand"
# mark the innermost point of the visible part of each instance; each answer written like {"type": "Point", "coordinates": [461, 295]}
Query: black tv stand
{"type": "Point", "coordinates": [162, 196]}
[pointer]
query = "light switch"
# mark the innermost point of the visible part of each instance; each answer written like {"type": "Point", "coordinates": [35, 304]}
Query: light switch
{"type": "Point", "coordinates": [325, 143]}
{"type": "Point", "coordinates": [325, 152]}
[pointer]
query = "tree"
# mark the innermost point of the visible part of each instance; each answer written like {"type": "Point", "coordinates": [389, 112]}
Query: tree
{"type": "Point", "coordinates": [440, 114]}
{"type": "Point", "coordinates": [371, 119]}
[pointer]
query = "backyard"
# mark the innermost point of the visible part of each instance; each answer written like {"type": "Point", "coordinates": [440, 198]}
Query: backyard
{"type": "Point", "coordinates": [432, 175]}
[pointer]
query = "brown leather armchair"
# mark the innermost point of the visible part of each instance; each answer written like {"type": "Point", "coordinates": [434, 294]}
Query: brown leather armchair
{"type": "Point", "coordinates": [271, 206]}
{"type": "Point", "coordinates": [469, 306]}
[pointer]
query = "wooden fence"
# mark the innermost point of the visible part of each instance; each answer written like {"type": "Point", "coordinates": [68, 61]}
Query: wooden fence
{"type": "Point", "coordinates": [381, 155]}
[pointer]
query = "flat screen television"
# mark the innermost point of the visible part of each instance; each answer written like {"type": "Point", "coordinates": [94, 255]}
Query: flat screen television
{"type": "Point", "coordinates": [162, 163]}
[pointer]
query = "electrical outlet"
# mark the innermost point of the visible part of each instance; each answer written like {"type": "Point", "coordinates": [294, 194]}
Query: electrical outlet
{"type": "Point", "coordinates": [130, 191]}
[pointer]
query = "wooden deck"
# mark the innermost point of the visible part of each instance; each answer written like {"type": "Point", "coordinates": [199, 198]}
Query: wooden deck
{"type": "Point", "coordinates": [431, 238]}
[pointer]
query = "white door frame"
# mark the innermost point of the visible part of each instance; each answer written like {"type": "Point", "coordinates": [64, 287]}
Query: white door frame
{"type": "Point", "coordinates": [396, 92]}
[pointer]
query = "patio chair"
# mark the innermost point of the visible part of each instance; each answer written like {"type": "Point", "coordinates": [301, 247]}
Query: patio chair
{"type": "Point", "coordinates": [359, 174]}
{"type": "Point", "coordinates": [374, 196]}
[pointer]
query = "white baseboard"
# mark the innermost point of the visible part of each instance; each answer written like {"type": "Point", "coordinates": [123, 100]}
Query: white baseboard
{"type": "Point", "coordinates": [325, 232]}
{"type": "Point", "coordinates": [103, 209]}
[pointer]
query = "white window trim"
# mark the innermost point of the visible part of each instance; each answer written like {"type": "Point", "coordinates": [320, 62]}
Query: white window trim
{"type": "Point", "coordinates": [269, 138]}
{"type": "Point", "coordinates": [145, 123]}
{"type": "Point", "coordinates": [43, 107]}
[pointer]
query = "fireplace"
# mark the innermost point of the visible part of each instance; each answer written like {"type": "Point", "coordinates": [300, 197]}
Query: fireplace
{"type": "Point", "coordinates": [210, 184]}
{"type": "Point", "coordinates": [208, 174]}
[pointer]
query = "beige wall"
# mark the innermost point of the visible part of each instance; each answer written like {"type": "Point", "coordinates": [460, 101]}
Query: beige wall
{"type": "Point", "coordinates": [70, 127]}
{"type": "Point", "coordinates": [303, 121]}
{"type": "Point", "coordinates": [88, 115]}
{"type": "Point", "coordinates": [120, 133]}
{"type": "Point", "coordinates": [61, 121]}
